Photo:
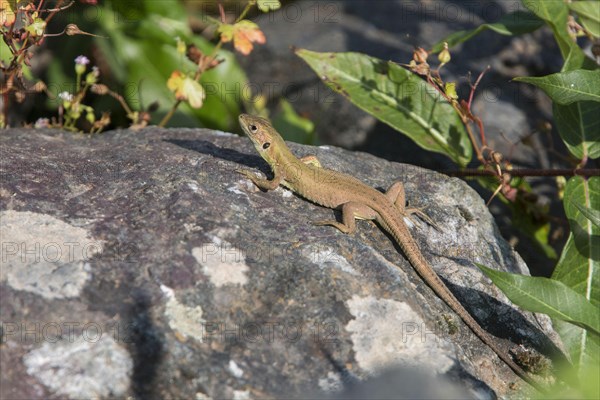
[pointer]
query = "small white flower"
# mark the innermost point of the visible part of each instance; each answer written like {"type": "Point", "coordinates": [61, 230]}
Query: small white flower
{"type": "Point", "coordinates": [65, 96]}
{"type": "Point", "coordinates": [82, 60]}
{"type": "Point", "coordinates": [42, 123]}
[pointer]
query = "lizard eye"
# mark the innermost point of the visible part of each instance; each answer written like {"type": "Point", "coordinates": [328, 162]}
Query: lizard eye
{"type": "Point", "coordinates": [266, 145]}
{"type": "Point", "coordinates": [253, 128]}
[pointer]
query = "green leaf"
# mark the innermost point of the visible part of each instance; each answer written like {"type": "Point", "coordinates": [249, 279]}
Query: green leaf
{"type": "Point", "coordinates": [5, 53]}
{"type": "Point", "coordinates": [195, 92]}
{"type": "Point", "coordinates": [268, 5]}
{"type": "Point", "coordinates": [568, 87]}
{"type": "Point", "coordinates": [515, 23]}
{"type": "Point", "coordinates": [576, 96]}
{"type": "Point", "coordinates": [589, 14]}
{"type": "Point", "coordinates": [579, 127]}
{"type": "Point", "coordinates": [37, 27]}
{"type": "Point", "coordinates": [543, 295]}
{"type": "Point", "coordinates": [579, 264]}
{"type": "Point", "coordinates": [397, 97]}
{"type": "Point", "coordinates": [589, 213]}
{"type": "Point", "coordinates": [292, 126]}
{"type": "Point", "coordinates": [226, 31]}
{"type": "Point", "coordinates": [556, 14]}
{"type": "Point", "coordinates": [582, 345]}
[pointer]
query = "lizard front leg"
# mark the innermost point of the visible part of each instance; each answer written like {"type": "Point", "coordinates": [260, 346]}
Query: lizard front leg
{"type": "Point", "coordinates": [311, 160]}
{"type": "Point", "coordinates": [350, 212]}
{"type": "Point", "coordinates": [262, 183]}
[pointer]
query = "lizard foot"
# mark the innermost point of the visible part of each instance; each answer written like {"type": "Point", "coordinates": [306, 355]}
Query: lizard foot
{"type": "Point", "coordinates": [330, 222]}
{"type": "Point", "coordinates": [419, 212]}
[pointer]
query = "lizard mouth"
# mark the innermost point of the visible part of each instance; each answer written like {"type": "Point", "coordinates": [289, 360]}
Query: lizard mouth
{"type": "Point", "coordinates": [243, 120]}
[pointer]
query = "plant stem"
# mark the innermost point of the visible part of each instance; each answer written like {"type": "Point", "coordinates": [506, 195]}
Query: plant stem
{"type": "Point", "coordinates": [525, 172]}
{"type": "Point", "coordinates": [167, 117]}
{"type": "Point", "coordinates": [244, 12]}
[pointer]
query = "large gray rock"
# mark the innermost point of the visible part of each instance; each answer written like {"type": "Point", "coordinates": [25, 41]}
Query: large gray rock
{"type": "Point", "coordinates": [141, 264]}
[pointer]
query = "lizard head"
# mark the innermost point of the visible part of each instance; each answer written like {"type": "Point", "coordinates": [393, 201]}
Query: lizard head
{"type": "Point", "coordinates": [264, 137]}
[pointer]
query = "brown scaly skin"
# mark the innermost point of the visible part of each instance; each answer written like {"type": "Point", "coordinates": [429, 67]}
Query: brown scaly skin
{"type": "Point", "coordinates": [336, 190]}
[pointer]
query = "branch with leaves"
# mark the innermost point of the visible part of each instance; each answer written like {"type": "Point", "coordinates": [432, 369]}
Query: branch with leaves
{"type": "Point", "coordinates": [242, 32]}
{"type": "Point", "coordinates": [23, 27]}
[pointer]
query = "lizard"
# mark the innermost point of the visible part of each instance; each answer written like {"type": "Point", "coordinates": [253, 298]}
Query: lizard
{"type": "Point", "coordinates": [332, 189]}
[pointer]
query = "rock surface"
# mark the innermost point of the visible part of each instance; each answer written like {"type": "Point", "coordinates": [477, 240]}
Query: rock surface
{"type": "Point", "coordinates": [141, 264]}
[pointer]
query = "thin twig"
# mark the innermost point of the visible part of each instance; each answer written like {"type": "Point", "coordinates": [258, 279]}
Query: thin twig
{"type": "Point", "coordinates": [525, 172]}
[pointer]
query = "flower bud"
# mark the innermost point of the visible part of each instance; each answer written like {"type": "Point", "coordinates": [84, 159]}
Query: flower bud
{"type": "Point", "coordinates": [92, 76]}
{"type": "Point", "coordinates": [450, 90]}
{"type": "Point", "coordinates": [81, 63]}
{"type": "Point", "coordinates": [444, 56]}
{"type": "Point", "coordinates": [180, 46]}
{"type": "Point", "coordinates": [99, 89]}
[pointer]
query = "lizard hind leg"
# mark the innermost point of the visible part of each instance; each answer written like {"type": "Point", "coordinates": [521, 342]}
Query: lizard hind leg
{"type": "Point", "coordinates": [350, 212]}
{"type": "Point", "coordinates": [396, 195]}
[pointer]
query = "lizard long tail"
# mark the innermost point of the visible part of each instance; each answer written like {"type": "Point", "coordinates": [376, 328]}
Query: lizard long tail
{"type": "Point", "coordinates": [410, 248]}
